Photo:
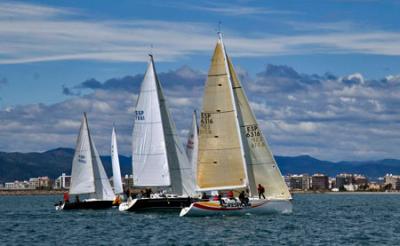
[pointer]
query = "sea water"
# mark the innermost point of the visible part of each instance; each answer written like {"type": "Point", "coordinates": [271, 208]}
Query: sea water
{"type": "Point", "coordinates": [317, 219]}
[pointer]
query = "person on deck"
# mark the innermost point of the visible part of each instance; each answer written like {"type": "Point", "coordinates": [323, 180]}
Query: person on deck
{"type": "Point", "coordinates": [66, 197]}
{"type": "Point", "coordinates": [204, 196]}
{"type": "Point", "coordinates": [230, 195]}
{"type": "Point", "coordinates": [77, 200]}
{"type": "Point", "coordinates": [242, 198]}
{"type": "Point", "coordinates": [261, 191]}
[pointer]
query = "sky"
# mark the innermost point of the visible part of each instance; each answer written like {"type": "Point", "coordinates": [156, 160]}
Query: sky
{"type": "Point", "coordinates": [323, 77]}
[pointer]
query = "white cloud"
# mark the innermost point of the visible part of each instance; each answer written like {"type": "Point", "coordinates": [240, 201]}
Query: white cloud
{"type": "Point", "coordinates": [38, 33]}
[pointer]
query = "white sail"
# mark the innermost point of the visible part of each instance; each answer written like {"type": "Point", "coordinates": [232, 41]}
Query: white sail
{"type": "Point", "coordinates": [221, 163]}
{"type": "Point", "coordinates": [159, 158]}
{"type": "Point", "coordinates": [82, 177]}
{"type": "Point", "coordinates": [115, 164]}
{"type": "Point", "coordinates": [192, 144]}
{"type": "Point", "coordinates": [261, 165]}
{"type": "Point", "coordinates": [103, 190]}
{"type": "Point", "coordinates": [88, 175]}
{"type": "Point", "coordinates": [149, 155]}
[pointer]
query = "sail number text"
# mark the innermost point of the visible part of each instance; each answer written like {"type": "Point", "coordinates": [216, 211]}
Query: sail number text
{"type": "Point", "coordinates": [253, 132]}
{"type": "Point", "coordinates": [139, 114]}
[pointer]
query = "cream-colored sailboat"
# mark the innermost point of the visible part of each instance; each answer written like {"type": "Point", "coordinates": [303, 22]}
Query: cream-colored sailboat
{"type": "Point", "coordinates": [233, 153]}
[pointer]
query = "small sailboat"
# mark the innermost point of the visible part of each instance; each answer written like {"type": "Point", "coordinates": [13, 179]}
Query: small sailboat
{"type": "Point", "coordinates": [233, 153]}
{"type": "Point", "coordinates": [192, 144]}
{"type": "Point", "coordinates": [159, 160]}
{"type": "Point", "coordinates": [117, 182]}
{"type": "Point", "coordinates": [88, 176]}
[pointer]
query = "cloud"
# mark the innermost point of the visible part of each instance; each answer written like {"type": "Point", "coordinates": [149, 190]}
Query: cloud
{"type": "Point", "coordinates": [69, 34]}
{"type": "Point", "coordinates": [320, 115]}
{"type": "Point", "coordinates": [232, 9]}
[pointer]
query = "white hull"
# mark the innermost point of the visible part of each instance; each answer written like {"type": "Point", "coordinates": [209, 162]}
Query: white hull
{"type": "Point", "coordinates": [258, 206]}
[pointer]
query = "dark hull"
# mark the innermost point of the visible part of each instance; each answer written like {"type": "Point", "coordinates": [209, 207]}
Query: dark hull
{"type": "Point", "coordinates": [87, 205]}
{"type": "Point", "coordinates": [159, 204]}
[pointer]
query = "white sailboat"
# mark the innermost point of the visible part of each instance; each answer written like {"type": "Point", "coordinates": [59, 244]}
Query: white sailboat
{"type": "Point", "coordinates": [159, 160]}
{"type": "Point", "coordinates": [192, 145]}
{"type": "Point", "coordinates": [88, 176]}
{"type": "Point", "coordinates": [117, 182]}
{"type": "Point", "coordinates": [233, 153]}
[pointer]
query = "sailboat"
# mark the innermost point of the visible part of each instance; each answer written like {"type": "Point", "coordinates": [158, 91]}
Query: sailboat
{"type": "Point", "coordinates": [117, 182]}
{"type": "Point", "coordinates": [192, 144]}
{"type": "Point", "coordinates": [233, 153]}
{"type": "Point", "coordinates": [88, 176]}
{"type": "Point", "coordinates": [159, 160]}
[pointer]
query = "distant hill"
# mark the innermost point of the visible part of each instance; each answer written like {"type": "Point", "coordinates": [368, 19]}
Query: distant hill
{"type": "Point", "coordinates": [19, 166]}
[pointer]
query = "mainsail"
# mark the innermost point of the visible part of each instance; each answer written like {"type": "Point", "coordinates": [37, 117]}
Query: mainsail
{"type": "Point", "coordinates": [159, 158]}
{"type": "Point", "coordinates": [115, 164]}
{"type": "Point", "coordinates": [221, 163]}
{"type": "Point", "coordinates": [88, 175]}
{"type": "Point", "coordinates": [261, 166]}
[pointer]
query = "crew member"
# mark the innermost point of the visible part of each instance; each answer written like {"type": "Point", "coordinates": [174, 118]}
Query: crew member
{"type": "Point", "coordinates": [261, 191]}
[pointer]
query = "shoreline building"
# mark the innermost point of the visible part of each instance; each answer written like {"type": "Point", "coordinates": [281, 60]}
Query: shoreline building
{"type": "Point", "coordinates": [391, 182]}
{"type": "Point", "coordinates": [62, 182]}
{"type": "Point", "coordinates": [299, 182]}
{"type": "Point", "coordinates": [319, 181]}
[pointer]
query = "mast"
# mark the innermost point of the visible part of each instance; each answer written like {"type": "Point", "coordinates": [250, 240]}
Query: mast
{"type": "Point", "coordinates": [115, 164]}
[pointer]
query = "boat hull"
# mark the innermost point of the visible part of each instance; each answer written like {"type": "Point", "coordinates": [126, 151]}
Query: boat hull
{"type": "Point", "coordinates": [257, 206]}
{"type": "Point", "coordinates": [156, 204]}
{"type": "Point", "coordinates": [92, 204]}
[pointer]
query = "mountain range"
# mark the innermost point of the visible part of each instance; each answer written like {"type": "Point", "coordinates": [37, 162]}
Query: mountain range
{"type": "Point", "coordinates": [22, 166]}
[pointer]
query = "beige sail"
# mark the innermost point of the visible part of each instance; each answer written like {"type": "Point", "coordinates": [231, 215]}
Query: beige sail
{"type": "Point", "coordinates": [220, 157]}
{"type": "Point", "coordinates": [261, 165]}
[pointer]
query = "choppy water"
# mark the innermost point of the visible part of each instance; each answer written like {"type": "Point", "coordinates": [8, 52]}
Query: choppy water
{"type": "Point", "coordinates": [317, 219]}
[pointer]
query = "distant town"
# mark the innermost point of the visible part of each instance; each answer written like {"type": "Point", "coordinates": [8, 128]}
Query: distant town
{"type": "Point", "coordinates": [296, 182]}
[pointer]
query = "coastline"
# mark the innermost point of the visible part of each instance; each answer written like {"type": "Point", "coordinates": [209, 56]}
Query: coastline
{"type": "Point", "coordinates": [31, 192]}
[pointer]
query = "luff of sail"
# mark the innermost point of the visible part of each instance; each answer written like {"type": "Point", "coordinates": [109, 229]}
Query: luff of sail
{"type": "Point", "coordinates": [220, 158]}
{"type": "Point", "coordinates": [261, 165]}
{"type": "Point", "coordinates": [115, 164]}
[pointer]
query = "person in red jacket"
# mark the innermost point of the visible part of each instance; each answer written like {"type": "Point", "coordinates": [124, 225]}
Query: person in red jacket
{"type": "Point", "coordinates": [66, 197]}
